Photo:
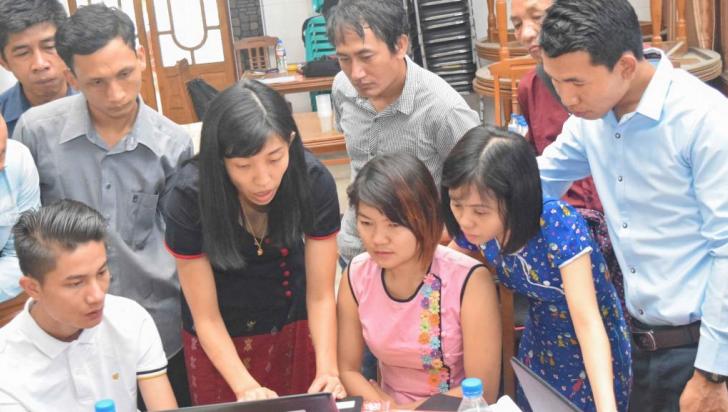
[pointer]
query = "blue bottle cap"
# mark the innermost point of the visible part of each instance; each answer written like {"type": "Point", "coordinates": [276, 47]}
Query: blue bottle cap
{"type": "Point", "coordinates": [105, 405]}
{"type": "Point", "coordinates": [472, 387]}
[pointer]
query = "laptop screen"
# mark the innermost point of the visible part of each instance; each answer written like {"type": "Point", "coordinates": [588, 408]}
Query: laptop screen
{"type": "Point", "coordinates": [541, 396]}
{"type": "Point", "coordinates": [316, 402]}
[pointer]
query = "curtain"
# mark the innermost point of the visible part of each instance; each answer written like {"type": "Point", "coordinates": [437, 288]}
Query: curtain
{"type": "Point", "coordinates": [700, 21]}
{"type": "Point", "coordinates": [707, 24]}
{"type": "Point", "coordinates": [722, 43]}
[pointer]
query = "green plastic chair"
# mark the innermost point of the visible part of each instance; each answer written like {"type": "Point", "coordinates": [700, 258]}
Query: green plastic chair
{"type": "Point", "coordinates": [317, 44]}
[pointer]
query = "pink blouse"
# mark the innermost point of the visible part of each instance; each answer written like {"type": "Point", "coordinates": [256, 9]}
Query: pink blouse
{"type": "Point", "coordinates": [418, 341]}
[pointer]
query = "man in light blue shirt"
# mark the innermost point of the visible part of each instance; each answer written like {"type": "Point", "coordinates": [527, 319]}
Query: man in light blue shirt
{"type": "Point", "coordinates": [19, 191]}
{"type": "Point", "coordinates": [653, 138]}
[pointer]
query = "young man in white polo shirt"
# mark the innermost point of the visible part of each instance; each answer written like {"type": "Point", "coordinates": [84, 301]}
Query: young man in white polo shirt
{"type": "Point", "coordinates": [73, 344]}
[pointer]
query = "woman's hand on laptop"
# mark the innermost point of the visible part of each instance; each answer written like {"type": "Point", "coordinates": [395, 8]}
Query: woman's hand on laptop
{"type": "Point", "coordinates": [328, 383]}
{"type": "Point", "coordinates": [257, 393]}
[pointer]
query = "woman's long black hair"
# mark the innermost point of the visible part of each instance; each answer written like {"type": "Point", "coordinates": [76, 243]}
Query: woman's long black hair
{"type": "Point", "coordinates": [238, 123]}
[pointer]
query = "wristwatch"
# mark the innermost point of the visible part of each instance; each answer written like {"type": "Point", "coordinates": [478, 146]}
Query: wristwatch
{"type": "Point", "coordinates": [712, 377]}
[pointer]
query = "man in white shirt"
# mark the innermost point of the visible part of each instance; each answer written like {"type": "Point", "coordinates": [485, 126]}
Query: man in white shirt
{"type": "Point", "coordinates": [73, 345]}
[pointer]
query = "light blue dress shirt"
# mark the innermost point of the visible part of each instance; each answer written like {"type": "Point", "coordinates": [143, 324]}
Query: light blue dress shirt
{"type": "Point", "coordinates": [19, 191]}
{"type": "Point", "coordinates": [662, 175]}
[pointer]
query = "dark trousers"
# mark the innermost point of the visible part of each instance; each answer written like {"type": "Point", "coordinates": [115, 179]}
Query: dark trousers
{"type": "Point", "coordinates": [660, 377]}
{"type": "Point", "coordinates": [177, 374]}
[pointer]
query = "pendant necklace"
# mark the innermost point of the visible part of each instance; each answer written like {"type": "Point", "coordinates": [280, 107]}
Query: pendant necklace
{"type": "Point", "coordinates": [249, 226]}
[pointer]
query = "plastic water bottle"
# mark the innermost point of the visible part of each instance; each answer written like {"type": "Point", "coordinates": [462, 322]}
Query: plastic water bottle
{"type": "Point", "coordinates": [518, 124]}
{"type": "Point", "coordinates": [522, 125]}
{"type": "Point", "coordinates": [473, 396]}
{"type": "Point", "coordinates": [105, 405]}
{"type": "Point", "coordinates": [513, 124]}
{"type": "Point", "coordinates": [281, 57]}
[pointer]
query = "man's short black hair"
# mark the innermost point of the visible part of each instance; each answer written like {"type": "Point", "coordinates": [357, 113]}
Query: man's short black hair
{"type": "Point", "coordinates": [90, 29]}
{"type": "Point", "coordinates": [18, 15]}
{"type": "Point", "coordinates": [605, 29]}
{"type": "Point", "coordinates": [387, 19]}
{"type": "Point", "coordinates": [61, 226]}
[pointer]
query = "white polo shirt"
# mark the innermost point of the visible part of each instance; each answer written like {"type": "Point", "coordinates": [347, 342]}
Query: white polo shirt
{"type": "Point", "coordinates": [40, 373]}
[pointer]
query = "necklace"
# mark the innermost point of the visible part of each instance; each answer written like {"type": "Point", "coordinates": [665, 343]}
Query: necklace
{"type": "Point", "coordinates": [248, 226]}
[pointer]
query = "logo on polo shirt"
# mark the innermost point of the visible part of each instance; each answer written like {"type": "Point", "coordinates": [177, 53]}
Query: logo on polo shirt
{"type": "Point", "coordinates": [115, 376]}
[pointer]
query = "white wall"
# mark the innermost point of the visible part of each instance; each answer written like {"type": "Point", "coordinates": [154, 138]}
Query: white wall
{"type": "Point", "coordinates": [642, 7]}
{"type": "Point", "coordinates": [6, 80]}
{"type": "Point", "coordinates": [480, 13]}
{"type": "Point", "coordinates": [283, 19]}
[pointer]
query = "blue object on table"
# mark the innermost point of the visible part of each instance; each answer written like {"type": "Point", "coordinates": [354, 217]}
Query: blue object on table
{"type": "Point", "coordinates": [105, 405]}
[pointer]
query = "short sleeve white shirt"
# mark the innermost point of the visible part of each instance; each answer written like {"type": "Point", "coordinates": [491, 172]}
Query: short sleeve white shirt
{"type": "Point", "coordinates": [41, 373]}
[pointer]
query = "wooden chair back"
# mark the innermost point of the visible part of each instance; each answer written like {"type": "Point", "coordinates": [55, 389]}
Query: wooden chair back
{"type": "Point", "coordinates": [253, 53]}
{"type": "Point", "coordinates": [11, 307]}
{"type": "Point", "coordinates": [491, 81]}
{"type": "Point", "coordinates": [185, 75]}
{"type": "Point", "coordinates": [674, 48]}
{"type": "Point", "coordinates": [703, 63]}
{"type": "Point", "coordinates": [508, 331]}
{"type": "Point", "coordinates": [502, 28]}
{"type": "Point", "coordinates": [512, 68]}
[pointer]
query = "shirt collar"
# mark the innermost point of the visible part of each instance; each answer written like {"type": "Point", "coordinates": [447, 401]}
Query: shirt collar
{"type": "Point", "coordinates": [77, 119]}
{"type": "Point", "coordinates": [79, 124]}
{"type": "Point", "coordinates": [46, 343]}
{"type": "Point", "coordinates": [16, 104]}
{"type": "Point", "coordinates": [406, 101]}
{"type": "Point", "coordinates": [144, 131]}
{"type": "Point", "coordinates": [654, 96]}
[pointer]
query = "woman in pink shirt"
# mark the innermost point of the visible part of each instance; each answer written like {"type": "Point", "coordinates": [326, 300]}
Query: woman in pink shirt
{"type": "Point", "coordinates": [430, 316]}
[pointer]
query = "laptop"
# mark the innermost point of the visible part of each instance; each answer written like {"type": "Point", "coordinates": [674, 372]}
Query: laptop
{"type": "Point", "coordinates": [315, 402]}
{"type": "Point", "coordinates": [541, 396]}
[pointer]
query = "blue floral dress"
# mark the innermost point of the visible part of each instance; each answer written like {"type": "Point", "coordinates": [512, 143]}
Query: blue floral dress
{"type": "Point", "coordinates": [549, 345]}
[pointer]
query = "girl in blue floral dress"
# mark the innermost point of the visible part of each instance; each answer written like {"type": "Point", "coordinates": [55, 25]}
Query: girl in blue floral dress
{"type": "Point", "coordinates": [575, 336]}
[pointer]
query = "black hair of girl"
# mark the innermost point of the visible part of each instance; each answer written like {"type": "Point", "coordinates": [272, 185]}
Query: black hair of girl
{"type": "Point", "coordinates": [402, 189]}
{"type": "Point", "coordinates": [502, 166]}
{"type": "Point", "coordinates": [237, 123]}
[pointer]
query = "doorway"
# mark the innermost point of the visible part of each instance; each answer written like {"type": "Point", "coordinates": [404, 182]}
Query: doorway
{"type": "Point", "coordinates": [170, 31]}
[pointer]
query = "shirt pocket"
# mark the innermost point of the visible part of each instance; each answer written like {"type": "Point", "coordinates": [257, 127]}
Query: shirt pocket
{"type": "Point", "coordinates": [141, 213]}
